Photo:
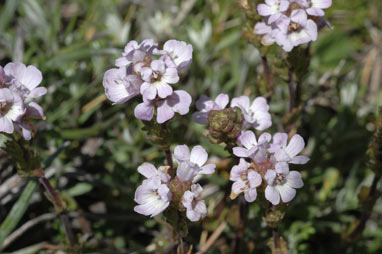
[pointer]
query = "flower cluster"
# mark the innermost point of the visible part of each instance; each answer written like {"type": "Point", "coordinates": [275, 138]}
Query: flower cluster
{"type": "Point", "coordinates": [290, 23]}
{"type": "Point", "coordinates": [18, 86]}
{"type": "Point", "coordinates": [269, 161]}
{"type": "Point", "coordinates": [144, 69]}
{"type": "Point", "coordinates": [159, 190]}
{"type": "Point", "coordinates": [256, 114]}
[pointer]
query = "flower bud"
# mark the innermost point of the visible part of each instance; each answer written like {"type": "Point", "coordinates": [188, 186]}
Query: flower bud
{"type": "Point", "coordinates": [225, 125]}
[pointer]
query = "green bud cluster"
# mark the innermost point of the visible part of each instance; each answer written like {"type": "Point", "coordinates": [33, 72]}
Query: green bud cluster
{"type": "Point", "coordinates": [225, 125]}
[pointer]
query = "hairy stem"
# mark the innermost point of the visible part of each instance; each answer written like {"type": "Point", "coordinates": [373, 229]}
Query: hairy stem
{"type": "Point", "coordinates": [58, 205]}
{"type": "Point", "coordinates": [276, 238]}
{"type": "Point", "coordinates": [268, 75]}
{"type": "Point", "coordinates": [367, 212]}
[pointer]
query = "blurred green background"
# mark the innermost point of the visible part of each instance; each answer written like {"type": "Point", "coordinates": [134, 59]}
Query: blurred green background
{"type": "Point", "coordinates": [74, 42]}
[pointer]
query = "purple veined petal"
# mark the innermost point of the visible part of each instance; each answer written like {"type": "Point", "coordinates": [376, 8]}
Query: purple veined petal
{"type": "Point", "coordinates": [250, 195]}
{"type": "Point", "coordinates": [264, 10]}
{"type": "Point", "coordinates": [270, 176]}
{"type": "Point", "coordinates": [204, 103]}
{"type": "Point", "coordinates": [180, 102]}
{"type": "Point", "coordinates": [201, 209]}
{"type": "Point", "coordinates": [282, 168]}
{"type": "Point", "coordinates": [144, 192]}
{"type": "Point", "coordinates": [268, 40]}
{"type": "Point", "coordinates": [130, 46]}
{"type": "Point", "coordinates": [284, 5]}
{"type": "Point", "coordinates": [164, 111]}
{"type": "Point", "coordinates": [207, 169]}
{"type": "Point", "coordinates": [182, 153]}
{"type": "Point", "coordinates": [171, 76]}
{"type": "Point", "coordinates": [299, 16]}
{"type": "Point", "coordinates": [311, 29]}
{"type": "Point", "coordinates": [6, 125]}
{"type": "Point", "coordinates": [180, 52]}
{"type": "Point", "coordinates": [272, 195]}
{"type": "Point", "coordinates": [248, 139]}
{"type": "Point", "coordinates": [295, 146]}
{"type": "Point", "coordinates": [279, 141]}
{"type": "Point", "coordinates": [301, 159]}
{"type": "Point", "coordinates": [6, 95]}
{"type": "Point", "coordinates": [158, 66]}
{"type": "Point", "coordinates": [148, 91]}
{"type": "Point", "coordinates": [118, 87]}
{"type": "Point", "coordinates": [122, 61]}
{"type": "Point", "coordinates": [315, 12]}
{"type": "Point", "coordinates": [200, 117]}
{"type": "Point", "coordinates": [262, 28]}
{"type": "Point", "coordinates": [144, 111]}
{"type": "Point", "coordinates": [241, 102]}
{"type": "Point", "coordinates": [287, 193]}
{"type": "Point", "coordinates": [321, 4]}
{"type": "Point", "coordinates": [146, 74]}
{"type": "Point", "coordinates": [192, 215]}
{"type": "Point", "coordinates": [148, 170]}
{"type": "Point", "coordinates": [274, 17]}
{"type": "Point", "coordinates": [294, 180]}
{"type": "Point", "coordinates": [34, 111]}
{"type": "Point", "coordinates": [164, 193]}
{"type": "Point", "coordinates": [24, 130]}
{"type": "Point", "coordinates": [238, 170]}
{"type": "Point", "coordinates": [187, 199]}
{"type": "Point", "coordinates": [259, 104]}
{"type": "Point", "coordinates": [222, 100]}
{"type": "Point", "coordinates": [254, 179]}
{"type": "Point", "coordinates": [186, 171]}
{"type": "Point", "coordinates": [163, 89]}
{"type": "Point", "coordinates": [199, 155]}
{"type": "Point", "coordinates": [30, 77]}
{"type": "Point", "coordinates": [38, 92]}
{"type": "Point", "coordinates": [262, 121]}
{"type": "Point", "coordinates": [240, 152]}
{"type": "Point", "coordinates": [264, 138]}
{"type": "Point", "coordinates": [287, 45]}
{"type": "Point", "coordinates": [238, 187]}
{"type": "Point", "coordinates": [282, 156]}
{"type": "Point", "coordinates": [197, 189]}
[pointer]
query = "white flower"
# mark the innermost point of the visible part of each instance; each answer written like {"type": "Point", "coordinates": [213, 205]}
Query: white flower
{"type": "Point", "coordinates": [288, 153]}
{"type": "Point", "coordinates": [179, 52]}
{"type": "Point", "coordinates": [11, 109]}
{"type": "Point", "coordinates": [192, 164]}
{"type": "Point", "coordinates": [256, 150]}
{"type": "Point", "coordinates": [273, 9]}
{"type": "Point", "coordinates": [196, 208]}
{"type": "Point", "coordinates": [148, 170]}
{"type": "Point", "coordinates": [256, 115]}
{"type": "Point", "coordinates": [245, 180]}
{"type": "Point", "coordinates": [152, 197]}
{"type": "Point", "coordinates": [282, 182]}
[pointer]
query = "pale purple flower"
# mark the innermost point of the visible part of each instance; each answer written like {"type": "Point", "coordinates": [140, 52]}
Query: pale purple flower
{"type": "Point", "coordinates": [11, 109]}
{"type": "Point", "coordinates": [267, 31]}
{"type": "Point", "coordinates": [253, 149]}
{"type": "Point", "coordinates": [315, 7]}
{"type": "Point", "coordinates": [121, 86]}
{"type": "Point", "coordinates": [156, 79]}
{"type": "Point", "coordinates": [245, 180]}
{"type": "Point", "coordinates": [179, 52]}
{"type": "Point", "coordinates": [295, 30]}
{"type": "Point", "coordinates": [256, 115]}
{"type": "Point", "coordinates": [24, 79]}
{"type": "Point", "coordinates": [152, 196]}
{"type": "Point", "coordinates": [282, 182]}
{"type": "Point", "coordinates": [136, 53]}
{"type": "Point", "coordinates": [288, 153]}
{"type": "Point", "coordinates": [23, 126]}
{"type": "Point", "coordinates": [178, 102]}
{"type": "Point", "coordinates": [196, 207]}
{"type": "Point", "coordinates": [192, 163]}
{"type": "Point", "coordinates": [148, 170]}
{"type": "Point", "coordinates": [273, 9]}
{"type": "Point", "coordinates": [205, 105]}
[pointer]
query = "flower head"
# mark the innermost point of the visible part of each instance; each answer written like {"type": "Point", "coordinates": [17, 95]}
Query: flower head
{"type": "Point", "coordinates": [192, 163]}
{"type": "Point", "coordinates": [245, 180]}
{"type": "Point", "coordinates": [195, 207]}
{"type": "Point", "coordinates": [282, 183]}
{"type": "Point", "coordinates": [288, 153]}
{"type": "Point", "coordinates": [178, 102]}
{"type": "Point", "coordinates": [256, 115]}
{"type": "Point", "coordinates": [11, 109]}
{"type": "Point", "coordinates": [252, 148]}
{"type": "Point", "coordinates": [273, 9]}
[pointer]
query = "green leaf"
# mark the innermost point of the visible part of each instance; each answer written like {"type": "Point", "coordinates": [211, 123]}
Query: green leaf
{"type": "Point", "coordinates": [79, 189]}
